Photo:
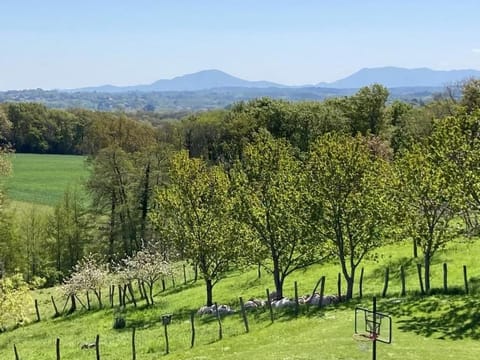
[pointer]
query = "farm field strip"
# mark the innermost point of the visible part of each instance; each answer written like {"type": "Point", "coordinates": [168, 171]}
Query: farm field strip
{"type": "Point", "coordinates": [42, 179]}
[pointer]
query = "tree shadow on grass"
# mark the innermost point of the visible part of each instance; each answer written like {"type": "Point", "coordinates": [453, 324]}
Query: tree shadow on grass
{"type": "Point", "coordinates": [442, 317]}
{"type": "Point", "coordinates": [409, 264]}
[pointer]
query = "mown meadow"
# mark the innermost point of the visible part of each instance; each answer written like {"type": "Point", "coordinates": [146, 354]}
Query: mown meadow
{"type": "Point", "coordinates": [435, 326]}
{"type": "Point", "coordinates": [42, 179]}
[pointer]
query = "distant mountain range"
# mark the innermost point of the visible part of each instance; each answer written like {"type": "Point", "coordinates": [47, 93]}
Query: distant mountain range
{"type": "Point", "coordinates": [394, 77]}
{"type": "Point", "coordinates": [391, 77]}
{"type": "Point", "coordinates": [202, 80]}
{"type": "Point", "coordinates": [213, 89]}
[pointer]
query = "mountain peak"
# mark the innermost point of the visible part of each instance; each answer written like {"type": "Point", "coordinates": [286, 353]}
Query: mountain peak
{"type": "Point", "coordinates": [391, 77]}
{"type": "Point", "coordinates": [207, 79]}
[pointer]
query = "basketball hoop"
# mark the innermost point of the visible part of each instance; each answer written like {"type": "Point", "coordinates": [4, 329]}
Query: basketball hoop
{"type": "Point", "coordinates": [372, 324]}
{"type": "Point", "coordinates": [367, 328]}
{"type": "Point", "coordinates": [363, 341]}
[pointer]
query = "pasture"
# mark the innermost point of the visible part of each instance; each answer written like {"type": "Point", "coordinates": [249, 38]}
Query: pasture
{"type": "Point", "coordinates": [437, 326]}
{"type": "Point", "coordinates": [42, 179]}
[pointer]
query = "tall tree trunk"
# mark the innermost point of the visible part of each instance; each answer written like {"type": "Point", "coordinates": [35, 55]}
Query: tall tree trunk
{"type": "Point", "coordinates": [111, 243]}
{"type": "Point", "coordinates": [73, 307]}
{"type": "Point", "coordinates": [150, 292]}
{"type": "Point", "coordinates": [277, 279]}
{"type": "Point", "coordinates": [350, 283]}
{"type": "Point", "coordinates": [209, 285]}
{"type": "Point", "coordinates": [427, 272]}
{"type": "Point", "coordinates": [144, 204]}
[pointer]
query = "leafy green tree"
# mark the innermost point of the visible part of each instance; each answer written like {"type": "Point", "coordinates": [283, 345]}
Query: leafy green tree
{"type": "Point", "coordinates": [31, 127]}
{"type": "Point", "coordinates": [202, 134]}
{"type": "Point", "coordinates": [5, 127]}
{"type": "Point", "coordinates": [298, 122]}
{"type": "Point", "coordinates": [428, 199]}
{"type": "Point", "coordinates": [11, 255]}
{"type": "Point", "coordinates": [89, 274]}
{"type": "Point", "coordinates": [193, 210]}
{"type": "Point", "coordinates": [147, 266]}
{"type": "Point", "coordinates": [69, 232]}
{"type": "Point", "coordinates": [471, 95]}
{"type": "Point", "coordinates": [410, 127]}
{"type": "Point", "coordinates": [270, 200]}
{"type": "Point", "coordinates": [111, 189]}
{"type": "Point", "coordinates": [455, 144]}
{"type": "Point", "coordinates": [122, 187]}
{"type": "Point", "coordinates": [366, 110]}
{"type": "Point", "coordinates": [150, 168]}
{"type": "Point", "coordinates": [350, 199]}
{"type": "Point", "coordinates": [14, 300]}
{"type": "Point", "coordinates": [32, 234]}
{"type": "Point", "coordinates": [106, 130]}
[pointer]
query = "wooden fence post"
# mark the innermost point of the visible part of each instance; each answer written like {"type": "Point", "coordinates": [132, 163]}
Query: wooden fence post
{"type": "Point", "coordinates": [16, 352]}
{"type": "Point", "coordinates": [244, 315]}
{"type": "Point", "coordinates": [402, 278]}
{"type": "Point", "coordinates": [322, 291]}
{"type": "Point", "coordinates": [37, 311]}
{"type": "Point", "coordinates": [269, 304]}
{"type": "Point", "coordinates": [57, 348]}
{"type": "Point", "coordinates": [57, 314]}
{"type": "Point", "coordinates": [192, 322]}
{"type": "Point", "coordinates": [295, 286]}
{"type": "Point", "coordinates": [420, 279]}
{"type": "Point", "coordinates": [385, 286]}
{"type": "Point", "coordinates": [134, 354]}
{"type": "Point", "coordinates": [97, 347]}
{"type": "Point", "coordinates": [360, 285]}
{"type": "Point", "coordinates": [167, 350]}
{"type": "Point", "coordinates": [220, 330]}
{"type": "Point", "coordinates": [445, 278]}
{"type": "Point", "coordinates": [465, 278]}
{"type": "Point", "coordinates": [184, 275]}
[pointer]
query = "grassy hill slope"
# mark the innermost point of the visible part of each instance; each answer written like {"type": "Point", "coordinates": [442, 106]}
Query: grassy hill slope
{"type": "Point", "coordinates": [52, 174]}
{"type": "Point", "coordinates": [438, 326]}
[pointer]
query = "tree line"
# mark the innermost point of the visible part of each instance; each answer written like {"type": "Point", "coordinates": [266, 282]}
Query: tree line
{"type": "Point", "coordinates": [270, 183]}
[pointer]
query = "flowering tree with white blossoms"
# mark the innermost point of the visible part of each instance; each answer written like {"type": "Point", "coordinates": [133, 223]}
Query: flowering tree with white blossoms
{"type": "Point", "coordinates": [147, 265]}
{"type": "Point", "coordinates": [90, 274]}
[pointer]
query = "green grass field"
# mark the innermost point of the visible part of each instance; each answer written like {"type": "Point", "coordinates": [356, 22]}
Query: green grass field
{"type": "Point", "coordinates": [438, 326]}
{"type": "Point", "coordinates": [424, 327]}
{"type": "Point", "coordinates": [42, 179]}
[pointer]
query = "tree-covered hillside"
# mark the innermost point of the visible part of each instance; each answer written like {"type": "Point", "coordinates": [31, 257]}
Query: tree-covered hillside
{"type": "Point", "coordinates": [274, 183]}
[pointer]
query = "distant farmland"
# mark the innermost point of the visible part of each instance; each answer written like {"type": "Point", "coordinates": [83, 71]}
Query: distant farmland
{"type": "Point", "coordinates": [42, 179]}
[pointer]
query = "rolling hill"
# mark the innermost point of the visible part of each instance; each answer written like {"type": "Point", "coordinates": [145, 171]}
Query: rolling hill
{"type": "Point", "coordinates": [394, 77]}
{"type": "Point", "coordinates": [202, 80]}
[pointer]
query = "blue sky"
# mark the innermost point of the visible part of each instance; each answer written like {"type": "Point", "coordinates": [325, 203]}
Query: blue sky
{"type": "Point", "coordinates": [74, 43]}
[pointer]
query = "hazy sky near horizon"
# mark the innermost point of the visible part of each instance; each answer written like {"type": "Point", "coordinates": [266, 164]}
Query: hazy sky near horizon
{"type": "Point", "coordinates": [68, 44]}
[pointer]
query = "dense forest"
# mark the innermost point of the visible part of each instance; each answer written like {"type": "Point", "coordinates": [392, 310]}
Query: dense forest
{"type": "Point", "coordinates": [268, 182]}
